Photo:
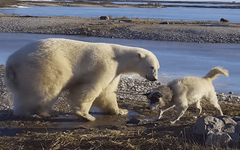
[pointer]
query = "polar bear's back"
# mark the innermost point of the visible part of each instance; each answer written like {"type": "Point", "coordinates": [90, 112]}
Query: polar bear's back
{"type": "Point", "coordinates": [55, 49]}
{"type": "Point", "coordinates": [54, 60]}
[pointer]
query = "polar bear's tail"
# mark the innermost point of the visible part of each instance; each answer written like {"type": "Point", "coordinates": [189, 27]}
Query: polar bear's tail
{"type": "Point", "coordinates": [10, 77]}
{"type": "Point", "coordinates": [214, 72]}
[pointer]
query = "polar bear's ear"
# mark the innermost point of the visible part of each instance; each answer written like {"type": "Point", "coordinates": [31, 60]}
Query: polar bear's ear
{"type": "Point", "coordinates": [141, 55]}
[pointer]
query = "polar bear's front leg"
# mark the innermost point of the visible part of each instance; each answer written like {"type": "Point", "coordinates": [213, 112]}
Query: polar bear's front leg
{"type": "Point", "coordinates": [83, 111]}
{"type": "Point", "coordinates": [107, 100]}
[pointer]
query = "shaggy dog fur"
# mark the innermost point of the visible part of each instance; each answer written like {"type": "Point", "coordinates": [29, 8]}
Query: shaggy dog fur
{"type": "Point", "coordinates": [190, 90]}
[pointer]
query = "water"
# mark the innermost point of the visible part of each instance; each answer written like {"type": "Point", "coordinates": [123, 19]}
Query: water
{"type": "Point", "coordinates": [170, 13]}
{"type": "Point", "coordinates": [177, 59]}
{"type": "Point", "coordinates": [180, 4]}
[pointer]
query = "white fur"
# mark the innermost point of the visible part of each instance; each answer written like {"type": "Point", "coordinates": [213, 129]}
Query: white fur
{"type": "Point", "coordinates": [191, 90]}
{"type": "Point", "coordinates": [39, 71]}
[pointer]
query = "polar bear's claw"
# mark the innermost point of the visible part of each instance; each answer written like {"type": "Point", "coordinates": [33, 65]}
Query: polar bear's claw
{"type": "Point", "coordinates": [123, 111]}
{"type": "Point", "coordinates": [88, 117]}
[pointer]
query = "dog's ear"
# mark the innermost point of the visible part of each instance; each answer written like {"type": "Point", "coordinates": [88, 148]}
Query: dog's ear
{"type": "Point", "coordinates": [155, 97]}
{"type": "Point", "coordinates": [159, 94]}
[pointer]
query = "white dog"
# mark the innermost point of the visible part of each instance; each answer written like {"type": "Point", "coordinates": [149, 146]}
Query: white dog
{"type": "Point", "coordinates": [186, 91]}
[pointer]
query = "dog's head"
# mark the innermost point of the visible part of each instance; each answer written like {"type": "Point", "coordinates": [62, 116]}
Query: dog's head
{"type": "Point", "coordinates": [154, 99]}
{"type": "Point", "coordinates": [159, 97]}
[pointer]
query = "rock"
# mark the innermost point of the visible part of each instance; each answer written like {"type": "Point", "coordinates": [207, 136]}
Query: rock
{"type": "Point", "coordinates": [219, 131]}
{"type": "Point", "coordinates": [208, 124]}
{"type": "Point", "coordinates": [133, 121]}
{"type": "Point", "coordinates": [230, 92]}
{"type": "Point", "coordinates": [230, 124]}
{"type": "Point", "coordinates": [218, 139]}
{"type": "Point", "coordinates": [223, 20]}
{"type": "Point", "coordinates": [236, 119]}
{"type": "Point", "coordinates": [104, 18]}
{"type": "Point", "coordinates": [166, 22]}
{"type": "Point", "coordinates": [235, 138]}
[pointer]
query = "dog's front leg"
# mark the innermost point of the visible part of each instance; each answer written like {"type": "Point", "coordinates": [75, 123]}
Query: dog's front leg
{"type": "Point", "coordinates": [161, 111]}
{"type": "Point", "coordinates": [179, 114]}
{"type": "Point", "coordinates": [160, 114]}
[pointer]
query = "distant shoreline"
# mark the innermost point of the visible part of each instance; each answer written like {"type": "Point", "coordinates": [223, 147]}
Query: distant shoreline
{"type": "Point", "coordinates": [150, 4]}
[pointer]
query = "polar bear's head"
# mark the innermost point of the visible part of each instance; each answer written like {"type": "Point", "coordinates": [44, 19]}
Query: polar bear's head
{"type": "Point", "coordinates": [148, 65]}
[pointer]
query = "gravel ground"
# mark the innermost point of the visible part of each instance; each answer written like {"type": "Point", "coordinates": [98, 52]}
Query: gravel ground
{"type": "Point", "coordinates": [201, 32]}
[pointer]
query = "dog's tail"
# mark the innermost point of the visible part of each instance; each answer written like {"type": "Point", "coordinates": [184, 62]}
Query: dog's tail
{"type": "Point", "coordinates": [214, 72]}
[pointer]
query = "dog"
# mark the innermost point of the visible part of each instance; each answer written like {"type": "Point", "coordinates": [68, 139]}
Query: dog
{"type": "Point", "coordinates": [182, 92]}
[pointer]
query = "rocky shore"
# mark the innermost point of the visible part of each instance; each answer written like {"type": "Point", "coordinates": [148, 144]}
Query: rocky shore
{"type": "Point", "coordinates": [125, 28]}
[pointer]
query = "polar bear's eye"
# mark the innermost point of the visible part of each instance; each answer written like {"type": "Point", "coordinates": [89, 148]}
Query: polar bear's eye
{"type": "Point", "coordinates": [152, 67]}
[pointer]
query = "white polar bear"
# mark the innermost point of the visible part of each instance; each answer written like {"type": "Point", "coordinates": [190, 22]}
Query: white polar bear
{"type": "Point", "coordinates": [39, 71]}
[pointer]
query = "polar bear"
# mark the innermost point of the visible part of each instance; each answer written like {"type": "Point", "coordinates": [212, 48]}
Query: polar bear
{"type": "Point", "coordinates": [39, 71]}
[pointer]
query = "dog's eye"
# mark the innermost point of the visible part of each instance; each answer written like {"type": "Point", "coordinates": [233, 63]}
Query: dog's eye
{"type": "Point", "coordinates": [159, 95]}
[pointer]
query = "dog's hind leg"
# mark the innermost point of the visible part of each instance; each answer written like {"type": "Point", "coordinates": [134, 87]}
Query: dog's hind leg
{"type": "Point", "coordinates": [198, 109]}
{"type": "Point", "coordinates": [161, 111]}
{"type": "Point", "coordinates": [214, 102]}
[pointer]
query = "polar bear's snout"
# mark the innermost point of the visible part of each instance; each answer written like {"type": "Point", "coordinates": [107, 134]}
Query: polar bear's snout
{"type": "Point", "coordinates": [153, 75]}
{"type": "Point", "coordinates": [151, 78]}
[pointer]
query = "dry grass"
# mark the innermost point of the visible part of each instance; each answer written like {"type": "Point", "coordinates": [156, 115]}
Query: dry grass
{"type": "Point", "coordinates": [150, 139]}
{"type": "Point", "coordinates": [4, 3]}
{"type": "Point", "coordinates": [150, 135]}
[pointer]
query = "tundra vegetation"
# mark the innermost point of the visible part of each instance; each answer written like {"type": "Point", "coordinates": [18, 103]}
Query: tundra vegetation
{"type": "Point", "coordinates": [4, 3]}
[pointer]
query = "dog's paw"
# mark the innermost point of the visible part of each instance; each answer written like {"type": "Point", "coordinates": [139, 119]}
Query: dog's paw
{"type": "Point", "coordinates": [159, 117]}
{"type": "Point", "coordinates": [173, 122]}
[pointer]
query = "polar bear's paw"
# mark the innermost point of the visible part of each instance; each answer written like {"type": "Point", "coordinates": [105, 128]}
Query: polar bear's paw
{"type": "Point", "coordinates": [86, 116]}
{"type": "Point", "coordinates": [51, 113]}
{"type": "Point", "coordinates": [123, 112]}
